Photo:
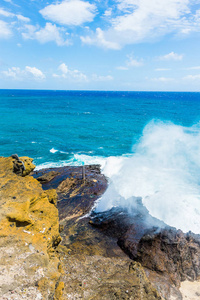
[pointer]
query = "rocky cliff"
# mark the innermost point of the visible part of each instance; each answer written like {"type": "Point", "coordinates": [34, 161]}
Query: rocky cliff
{"type": "Point", "coordinates": [29, 234]}
{"type": "Point", "coordinates": [90, 261]}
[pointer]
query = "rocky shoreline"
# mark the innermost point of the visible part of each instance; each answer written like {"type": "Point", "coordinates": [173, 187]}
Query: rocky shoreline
{"type": "Point", "coordinates": [63, 252]}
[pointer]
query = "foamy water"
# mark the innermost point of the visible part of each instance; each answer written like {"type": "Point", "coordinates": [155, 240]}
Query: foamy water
{"type": "Point", "coordinates": [164, 170]}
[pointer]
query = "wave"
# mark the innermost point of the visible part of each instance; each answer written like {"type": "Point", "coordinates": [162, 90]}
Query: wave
{"type": "Point", "coordinates": [75, 160]}
{"type": "Point", "coordinates": [53, 150]}
{"type": "Point", "coordinates": [164, 171]}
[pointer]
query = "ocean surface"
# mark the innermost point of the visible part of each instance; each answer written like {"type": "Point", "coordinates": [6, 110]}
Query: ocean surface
{"type": "Point", "coordinates": [148, 143]}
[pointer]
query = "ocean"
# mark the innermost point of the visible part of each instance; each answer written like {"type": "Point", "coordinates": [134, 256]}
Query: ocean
{"type": "Point", "coordinates": [148, 144]}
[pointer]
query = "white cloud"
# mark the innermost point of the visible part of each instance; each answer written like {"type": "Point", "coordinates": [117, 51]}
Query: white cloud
{"type": "Point", "coordinates": [70, 12]}
{"type": "Point", "coordinates": [193, 68]}
{"type": "Point", "coordinates": [70, 74]}
{"type": "Point", "coordinates": [122, 68]}
{"type": "Point", "coordinates": [22, 18]}
{"type": "Point", "coordinates": [8, 14]}
{"type": "Point", "coordinates": [50, 33]}
{"type": "Point", "coordinates": [171, 56]}
{"type": "Point", "coordinates": [143, 20]}
{"type": "Point", "coordinates": [108, 12]}
{"type": "Point", "coordinates": [35, 72]}
{"type": "Point", "coordinates": [5, 31]}
{"type": "Point", "coordinates": [28, 73]}
{"type": "Point", "coordinates": [162, 79]}
{"type": "Point", "coordinates": [99, 40]}
{"type": "Point", "coordinates": [96, 77]}
{"type": "Point", "coordinates": [192, 77]}
{"type": "Point", "coordinates": [162, 69]}
{"type": "Point", "coordinates": [131, 62]}
{"type": "Point", "coordinates": [78, 76]}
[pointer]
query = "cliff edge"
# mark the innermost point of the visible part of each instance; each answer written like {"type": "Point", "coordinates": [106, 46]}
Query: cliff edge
{"type": "Point", "coordinates": [29, 234]}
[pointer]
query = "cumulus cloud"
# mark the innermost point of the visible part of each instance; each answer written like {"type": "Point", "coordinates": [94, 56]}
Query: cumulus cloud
{"type": "Point", "coordinates": [70, 12]}
{"type": "Point", "coordinates": [131, 62]}
{"type": "Point", "coordinates": [8, 14]}
{"type": "Point", "coordinates": [99, 39]}
{"type": "Point", "coordinates": [78, 76]}
{"type": "Point", "coordinates": [136, 21]}
{"type": "Point", "coordinates": [171, 56]}
{"type": "Point", "coordinates": [28, 73]}
{"type": "Point", "coordinates": [5, 27]}
{"type": "Point", "coordinates": [108, 12]}
{"type": "Point", "coordinates": [67, 73]}
{"type": "Point", "coordinates": [5, 31]}
{"type": "Point", "coordinates": [50, 33]}
{"type": "Point", "coordinates": [35, 72]}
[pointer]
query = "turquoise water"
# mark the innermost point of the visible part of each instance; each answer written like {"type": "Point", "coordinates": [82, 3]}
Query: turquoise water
{"type": "Point", "coordinates": [104, 124]}
{"type": "Point", "coordinates": [148, 144]}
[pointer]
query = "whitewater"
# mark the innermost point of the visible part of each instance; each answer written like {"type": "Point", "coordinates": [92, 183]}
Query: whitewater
{"type": "Point", "coordinates": [163, 170]}
{"type": "Point", "coordinates": [147, 143]}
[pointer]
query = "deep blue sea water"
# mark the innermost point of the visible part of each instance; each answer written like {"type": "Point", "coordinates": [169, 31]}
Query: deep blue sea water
{"type": "Point", "coordinates": [147, 142]}
{"type": "Point", "coordinates": [94, 123]}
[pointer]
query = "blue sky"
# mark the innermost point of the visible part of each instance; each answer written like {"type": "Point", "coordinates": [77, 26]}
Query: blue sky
{"type": "Point", "coordinates": [137, 45]}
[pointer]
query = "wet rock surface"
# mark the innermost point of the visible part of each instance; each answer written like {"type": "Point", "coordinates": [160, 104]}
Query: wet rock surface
{"type": "Point", "coordinates": [76, 196]}
{"type": "Point", "coordinates": [94, 266]}
{"type": "Point", "coordinates": [117, 254]}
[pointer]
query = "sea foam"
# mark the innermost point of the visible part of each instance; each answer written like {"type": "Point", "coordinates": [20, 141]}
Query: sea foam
{"type": "Point", "coordinates": [164, 170]}
{"type": "Point", "coordinates": [75, 160]}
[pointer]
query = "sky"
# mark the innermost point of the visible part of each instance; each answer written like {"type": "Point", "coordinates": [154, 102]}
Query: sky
{"type": "Point", "coordinates": [122, 45]}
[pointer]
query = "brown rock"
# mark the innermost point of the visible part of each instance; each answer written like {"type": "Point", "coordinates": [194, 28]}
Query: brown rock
{"type": "Point", "coordinates": [29, 231]}
{"type": "Point", "coordinates": [47, 177]}
{"type": "Point", "coordinates": [172, 252]}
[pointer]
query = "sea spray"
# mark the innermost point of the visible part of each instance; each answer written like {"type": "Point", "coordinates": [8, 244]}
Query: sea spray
{"type": "Point", "coordinates": [164, 170]}
{"type": "Point", "coordinates": [74, 160]}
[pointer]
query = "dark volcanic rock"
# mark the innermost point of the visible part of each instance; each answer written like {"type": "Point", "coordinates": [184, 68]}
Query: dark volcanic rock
{"type": "Point", "coordinates": [94, 266]}
{"type": "Point", "coordinates": [168, 255]}
{"type": "Point", "coordinates": [171, 252]}
{"type": "Point", "coordinates": [92, 244]}
{"type": "Point", "coordinates": [47, 177]}
{"type": "Point", "coordinates": [76, 196]}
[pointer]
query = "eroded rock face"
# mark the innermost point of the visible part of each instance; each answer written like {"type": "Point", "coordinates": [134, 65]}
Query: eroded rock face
{"type": "Point", "coordinates": [171, 252]}
{"type": "Point", "coordinates": [168, 255]}
{"type": "Point", "coordinates": [94, 266]}
{"type": "Point", "coordinates": [102, 278]}
{"type": "Point", "coordinates": [22, 165]}
{"type": "Point", "coordinates": [29, 234]}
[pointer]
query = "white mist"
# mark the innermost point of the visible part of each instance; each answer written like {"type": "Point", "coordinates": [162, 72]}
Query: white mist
{"type": "Point", "coordinates": [164, 171]}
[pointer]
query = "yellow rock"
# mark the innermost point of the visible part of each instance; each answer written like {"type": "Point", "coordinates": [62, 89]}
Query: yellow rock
{"type": "Point", "coordinates": [29, 166]}
{"type": "Point", "coordinates": [29, 231]}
